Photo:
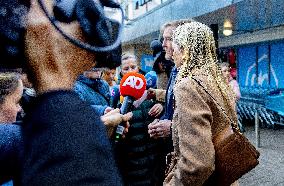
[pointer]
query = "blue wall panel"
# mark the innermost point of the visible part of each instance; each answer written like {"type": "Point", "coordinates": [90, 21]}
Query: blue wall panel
{"type": "Point", "coordinates": [247, 67]}
{"type": "Point", "coordinates": [277, 65]}
{"type": "Point", "coordinates": [263, 14]}
{"type": "Point", "coordinates": [261, 74]}
{"type": "Point", "coordinates": [246, 19]}
{"type": "Point", "coordinates": [277, 12]}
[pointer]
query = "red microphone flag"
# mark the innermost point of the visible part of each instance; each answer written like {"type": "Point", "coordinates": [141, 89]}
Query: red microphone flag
{"type": "Point", "coordinates": [132, 84]}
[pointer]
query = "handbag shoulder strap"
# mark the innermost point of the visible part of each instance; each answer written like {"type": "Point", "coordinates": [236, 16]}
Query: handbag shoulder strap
{"type": "Point", "coordinates": [223, 110]}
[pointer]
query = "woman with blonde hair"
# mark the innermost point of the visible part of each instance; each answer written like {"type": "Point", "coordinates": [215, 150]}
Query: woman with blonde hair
{"type": "Point", "coordinates": [200, 90]}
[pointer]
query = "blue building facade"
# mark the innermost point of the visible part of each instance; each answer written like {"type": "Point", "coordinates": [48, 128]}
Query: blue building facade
{"type": "Point", "coordinates": [257, 41]}
{"type": "Point", "coordinates": [260, 60]}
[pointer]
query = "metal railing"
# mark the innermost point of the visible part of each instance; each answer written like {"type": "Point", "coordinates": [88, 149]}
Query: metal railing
{"type": "Point", "coordinates": [257, 105]}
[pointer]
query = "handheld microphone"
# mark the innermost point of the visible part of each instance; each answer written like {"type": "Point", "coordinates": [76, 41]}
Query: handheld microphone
{"type": "Point", "coordinates": [132, 87]}
{"type": "Point", "coordinates": [151, 79]}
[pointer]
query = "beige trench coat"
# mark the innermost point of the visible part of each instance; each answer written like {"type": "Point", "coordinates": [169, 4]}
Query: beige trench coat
{"type": "Point", "coordinates": [197, 119]}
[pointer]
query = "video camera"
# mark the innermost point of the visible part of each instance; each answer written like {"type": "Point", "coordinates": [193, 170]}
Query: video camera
{"type": "Point", "coordinates": [103, 34]}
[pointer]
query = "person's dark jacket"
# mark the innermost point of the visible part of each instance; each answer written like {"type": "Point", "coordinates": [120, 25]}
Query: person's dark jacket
{"type": "Point", "coordinates": [11, 148]}
{"type": "Point", "coordinates": [169, 111]}
{"type": "Point", "coordinates": [66, 143]}
{"type": "Point", "coordinates": [28, 95]}
{"type": "Point", "coordinates": [95, 92]}
{"type": "Point", "coordinates": [169, 105]}
{"type": "Point", "coordinates": [139, 156]}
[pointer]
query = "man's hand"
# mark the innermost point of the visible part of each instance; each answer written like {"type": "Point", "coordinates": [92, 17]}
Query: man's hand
{"type": "Point", "coordinates": [156, 110]}
{"type": "Point", "coordinates": [151, 93]}
{"type": "Point", "coordinates": [159, 128]}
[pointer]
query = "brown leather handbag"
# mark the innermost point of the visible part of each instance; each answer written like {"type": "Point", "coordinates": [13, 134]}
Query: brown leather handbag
{"type": "Point", "coordinates": [234, 154]}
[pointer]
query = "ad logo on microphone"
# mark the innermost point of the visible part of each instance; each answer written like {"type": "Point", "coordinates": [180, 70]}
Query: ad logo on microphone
{"type": "Point", "coordinates": [133, 84]}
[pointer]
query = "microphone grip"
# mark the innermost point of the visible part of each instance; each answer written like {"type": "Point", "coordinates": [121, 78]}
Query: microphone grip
{"type": "Point", "coordinates": [125, 107]}
{"type": "Point", "coordinates": [127, 104]}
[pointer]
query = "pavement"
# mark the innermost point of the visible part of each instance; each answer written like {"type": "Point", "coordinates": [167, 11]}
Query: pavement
{"type": "Point", "coordinates": [270, 171]}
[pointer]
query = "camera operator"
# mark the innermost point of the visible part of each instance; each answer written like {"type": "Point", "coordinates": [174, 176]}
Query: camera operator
{"type": "Point", "coordinates": [65, 141]}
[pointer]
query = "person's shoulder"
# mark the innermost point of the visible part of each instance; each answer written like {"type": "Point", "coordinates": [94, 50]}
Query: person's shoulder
{"type": "Point", "coordinates": [79, 86]}
{"type": "Point", "coordinates": [104, 83]}
{"type": "Point", "coordinates": [194, 84]}
{"type": "Point", "coordinates": [233, 82]}
{"type": "Point", "coordinates": [187, 82]}
{"type": "Point", "coordinates": [104, 87]}
{"type": "Point", "coordinates": [78, 83]}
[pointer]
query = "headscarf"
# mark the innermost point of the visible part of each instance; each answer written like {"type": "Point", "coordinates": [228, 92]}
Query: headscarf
{"type": "Point", "coordinates": [199, 55]}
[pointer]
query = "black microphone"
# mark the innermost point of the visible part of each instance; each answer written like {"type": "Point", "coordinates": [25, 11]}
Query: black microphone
{"type": "Point", "coordinates": [132, 87]}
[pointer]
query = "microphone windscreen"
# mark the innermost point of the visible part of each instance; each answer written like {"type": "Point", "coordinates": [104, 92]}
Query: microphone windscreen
{"type": "Point", "coordinates": [132, 84]}
{"type": "Point", "coordinates": [151, 79]}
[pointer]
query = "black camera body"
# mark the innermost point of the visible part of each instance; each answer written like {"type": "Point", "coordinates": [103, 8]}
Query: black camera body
{"type": "Point", "coordinates": [99, 31]}
{"type": "Point", "coordinates": [12, 32]}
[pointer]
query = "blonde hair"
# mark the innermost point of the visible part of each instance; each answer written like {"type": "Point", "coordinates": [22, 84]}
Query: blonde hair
{"type": "Point", "coordinates": [127, 56]}
{"type": "Point", "coordinates": [9, 81]}
{"type": "Point", "coordinates": [199, 55]}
